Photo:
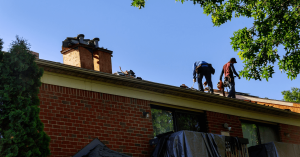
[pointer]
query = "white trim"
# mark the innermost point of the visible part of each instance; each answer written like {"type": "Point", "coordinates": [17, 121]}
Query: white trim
{"type": "Point", "coordinates": [97, 86]}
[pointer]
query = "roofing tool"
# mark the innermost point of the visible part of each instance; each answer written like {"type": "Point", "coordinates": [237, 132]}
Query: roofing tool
{"type": "Point", "coordinates": [221, 87]}
{"type": "Point", "coordinates": [193, 86]}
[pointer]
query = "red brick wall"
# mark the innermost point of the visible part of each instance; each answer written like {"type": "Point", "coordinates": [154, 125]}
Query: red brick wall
{"type": "Point", "coordinates": [215, 123]}
{"type": "Point", "coordinates": [74, 117]}
{"type": "Point", "coordinates": [289, 133]}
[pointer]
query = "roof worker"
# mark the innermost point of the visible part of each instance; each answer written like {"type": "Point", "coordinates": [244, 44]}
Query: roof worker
{"type": "Point", "coordinates": [228, 70]}
{"type": "Point", "coordinates": [202, 68]}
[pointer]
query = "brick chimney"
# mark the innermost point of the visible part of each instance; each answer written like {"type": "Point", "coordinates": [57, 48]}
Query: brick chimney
{"type": "Point", "coordinates": [86, 53]}
{"type": "Point", "coordinates": [36, 54]}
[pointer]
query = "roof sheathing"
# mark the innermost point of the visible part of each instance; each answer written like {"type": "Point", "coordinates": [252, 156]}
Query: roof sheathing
{"type": "Point", "coordinates": [160, 88]}
{"type": "Point", "coordinates": [258, 99]}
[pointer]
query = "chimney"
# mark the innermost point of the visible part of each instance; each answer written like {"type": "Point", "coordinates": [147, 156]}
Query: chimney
{"type": "Point", "coordinates": [85, 53]}
{"type": "Point", "coordinates": [102, 60]}
{"type": "Point", "coordinates": [96, 40]}
{"type": "Point", "coordinates": [36, 54]}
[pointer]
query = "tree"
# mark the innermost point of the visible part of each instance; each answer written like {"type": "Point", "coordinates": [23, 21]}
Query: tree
{"type": "Point", "coordinates": [22, 132]}
{"type": "Point", "coordinates": [162, 121]}
{"type": "Point", "coordinates": [276, 22]}
{"type": "Point", "coordinates": [292, 96]}
{"type": "Point", "coordinates": [1, 44]}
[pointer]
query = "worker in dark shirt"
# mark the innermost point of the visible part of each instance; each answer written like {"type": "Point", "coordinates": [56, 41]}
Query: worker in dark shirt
{"type": "Point", "coordinates": [205, 70]}
{"type": "Point", "coordinates": [228, 70]}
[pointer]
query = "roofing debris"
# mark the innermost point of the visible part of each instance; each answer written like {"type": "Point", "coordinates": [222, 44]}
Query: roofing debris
{"type": "Point", "coordinates": [184, 86]}
{"type": "Point", "coordinates": [127, 73]}
{"type": "Point", "coordinates": [79, 40]}
{"type": "Point", "coordinates": [192, 88]}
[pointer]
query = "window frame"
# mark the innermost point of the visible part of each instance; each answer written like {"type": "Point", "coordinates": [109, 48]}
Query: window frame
{"type": "Point", "coordinates": [275, 126]}
{"type": "Point", "coordinates": [175, 110]}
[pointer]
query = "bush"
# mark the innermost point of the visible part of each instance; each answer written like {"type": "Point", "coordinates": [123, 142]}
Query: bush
{"type": "Point", "coordinates": [21, 130]}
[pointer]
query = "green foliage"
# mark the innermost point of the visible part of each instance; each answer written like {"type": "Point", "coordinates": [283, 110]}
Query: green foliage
{"type": "Point", "coordinates": [1, 44]}
{"type": "Point", "coordinates": [162, 121]}
{"type": "Point", "coordinates": [21, 130]}
{"type": "Point", "coordinates": [138, 3]}
{"type": "Point", "coordinates": [292, 96]}
{"type": "Point", "coordinates": [276, 22]}
{"type": "Point", "coordinates": [250, 132]}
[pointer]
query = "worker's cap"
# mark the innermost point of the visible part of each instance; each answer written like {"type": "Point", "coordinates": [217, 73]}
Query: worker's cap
{"type": "Point", "coordinates": [233, 60]}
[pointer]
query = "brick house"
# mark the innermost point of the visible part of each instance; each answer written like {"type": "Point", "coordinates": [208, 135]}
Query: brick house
{"type": "Point", "coordinates": [81, 100]}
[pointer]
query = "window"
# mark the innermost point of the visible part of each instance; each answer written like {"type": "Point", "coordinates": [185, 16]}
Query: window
{"type": "Point", "coordinates": [169, 119]}
{"type": "Point", "coordinates": [162, 121]}
{"type": "Point", "coordinates": [188, 121]}
{"type": "Point", "coordinates": [259, 133]}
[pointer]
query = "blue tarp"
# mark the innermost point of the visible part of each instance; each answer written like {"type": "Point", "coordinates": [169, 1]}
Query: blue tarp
{"type": "Point", "coordinates": [193, 144]}
{"type": "Point", "coordinates": [263, 150]}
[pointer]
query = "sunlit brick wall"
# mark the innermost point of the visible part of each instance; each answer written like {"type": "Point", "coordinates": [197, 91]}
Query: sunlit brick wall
{"type": "Point", "coordinates": [216, 120]}
{"type": "Point", "coordinates": [74, 117]}
{"type": "Point", "coordinates": [289, 133]}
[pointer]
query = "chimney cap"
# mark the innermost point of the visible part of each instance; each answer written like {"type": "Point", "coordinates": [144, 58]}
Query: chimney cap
{"type": "Point", "coordinates": [97, 39]}
{"type": "Point", "coordinates": [80, 35]}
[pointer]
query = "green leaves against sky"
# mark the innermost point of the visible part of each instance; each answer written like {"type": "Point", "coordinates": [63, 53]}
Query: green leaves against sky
{"type": "Point", "coordinates": [276, 22]}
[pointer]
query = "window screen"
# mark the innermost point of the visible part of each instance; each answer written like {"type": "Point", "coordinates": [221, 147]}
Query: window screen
{"type": "Point", "coordinates": [250, 132]}
{"type": "Point", "coordinates": [259, 133]}
{"type": "Point", "coordinates": [162, 121]}
{"type": "Point", "coordinates": [268, 134]}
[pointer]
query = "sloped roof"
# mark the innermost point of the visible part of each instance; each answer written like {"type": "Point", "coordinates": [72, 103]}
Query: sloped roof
{"type": "Point", "coordinates": [160, 88]}
{"type": "Point", "coordinates": [284, 105]}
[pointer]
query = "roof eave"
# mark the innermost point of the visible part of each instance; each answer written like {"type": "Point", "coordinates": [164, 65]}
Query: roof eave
{"type": "Point", "coordinates": [160, 88]}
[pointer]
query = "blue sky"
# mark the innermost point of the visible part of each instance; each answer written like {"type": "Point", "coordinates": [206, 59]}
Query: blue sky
{"type": "Point", "coordinates": [159, 43]}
